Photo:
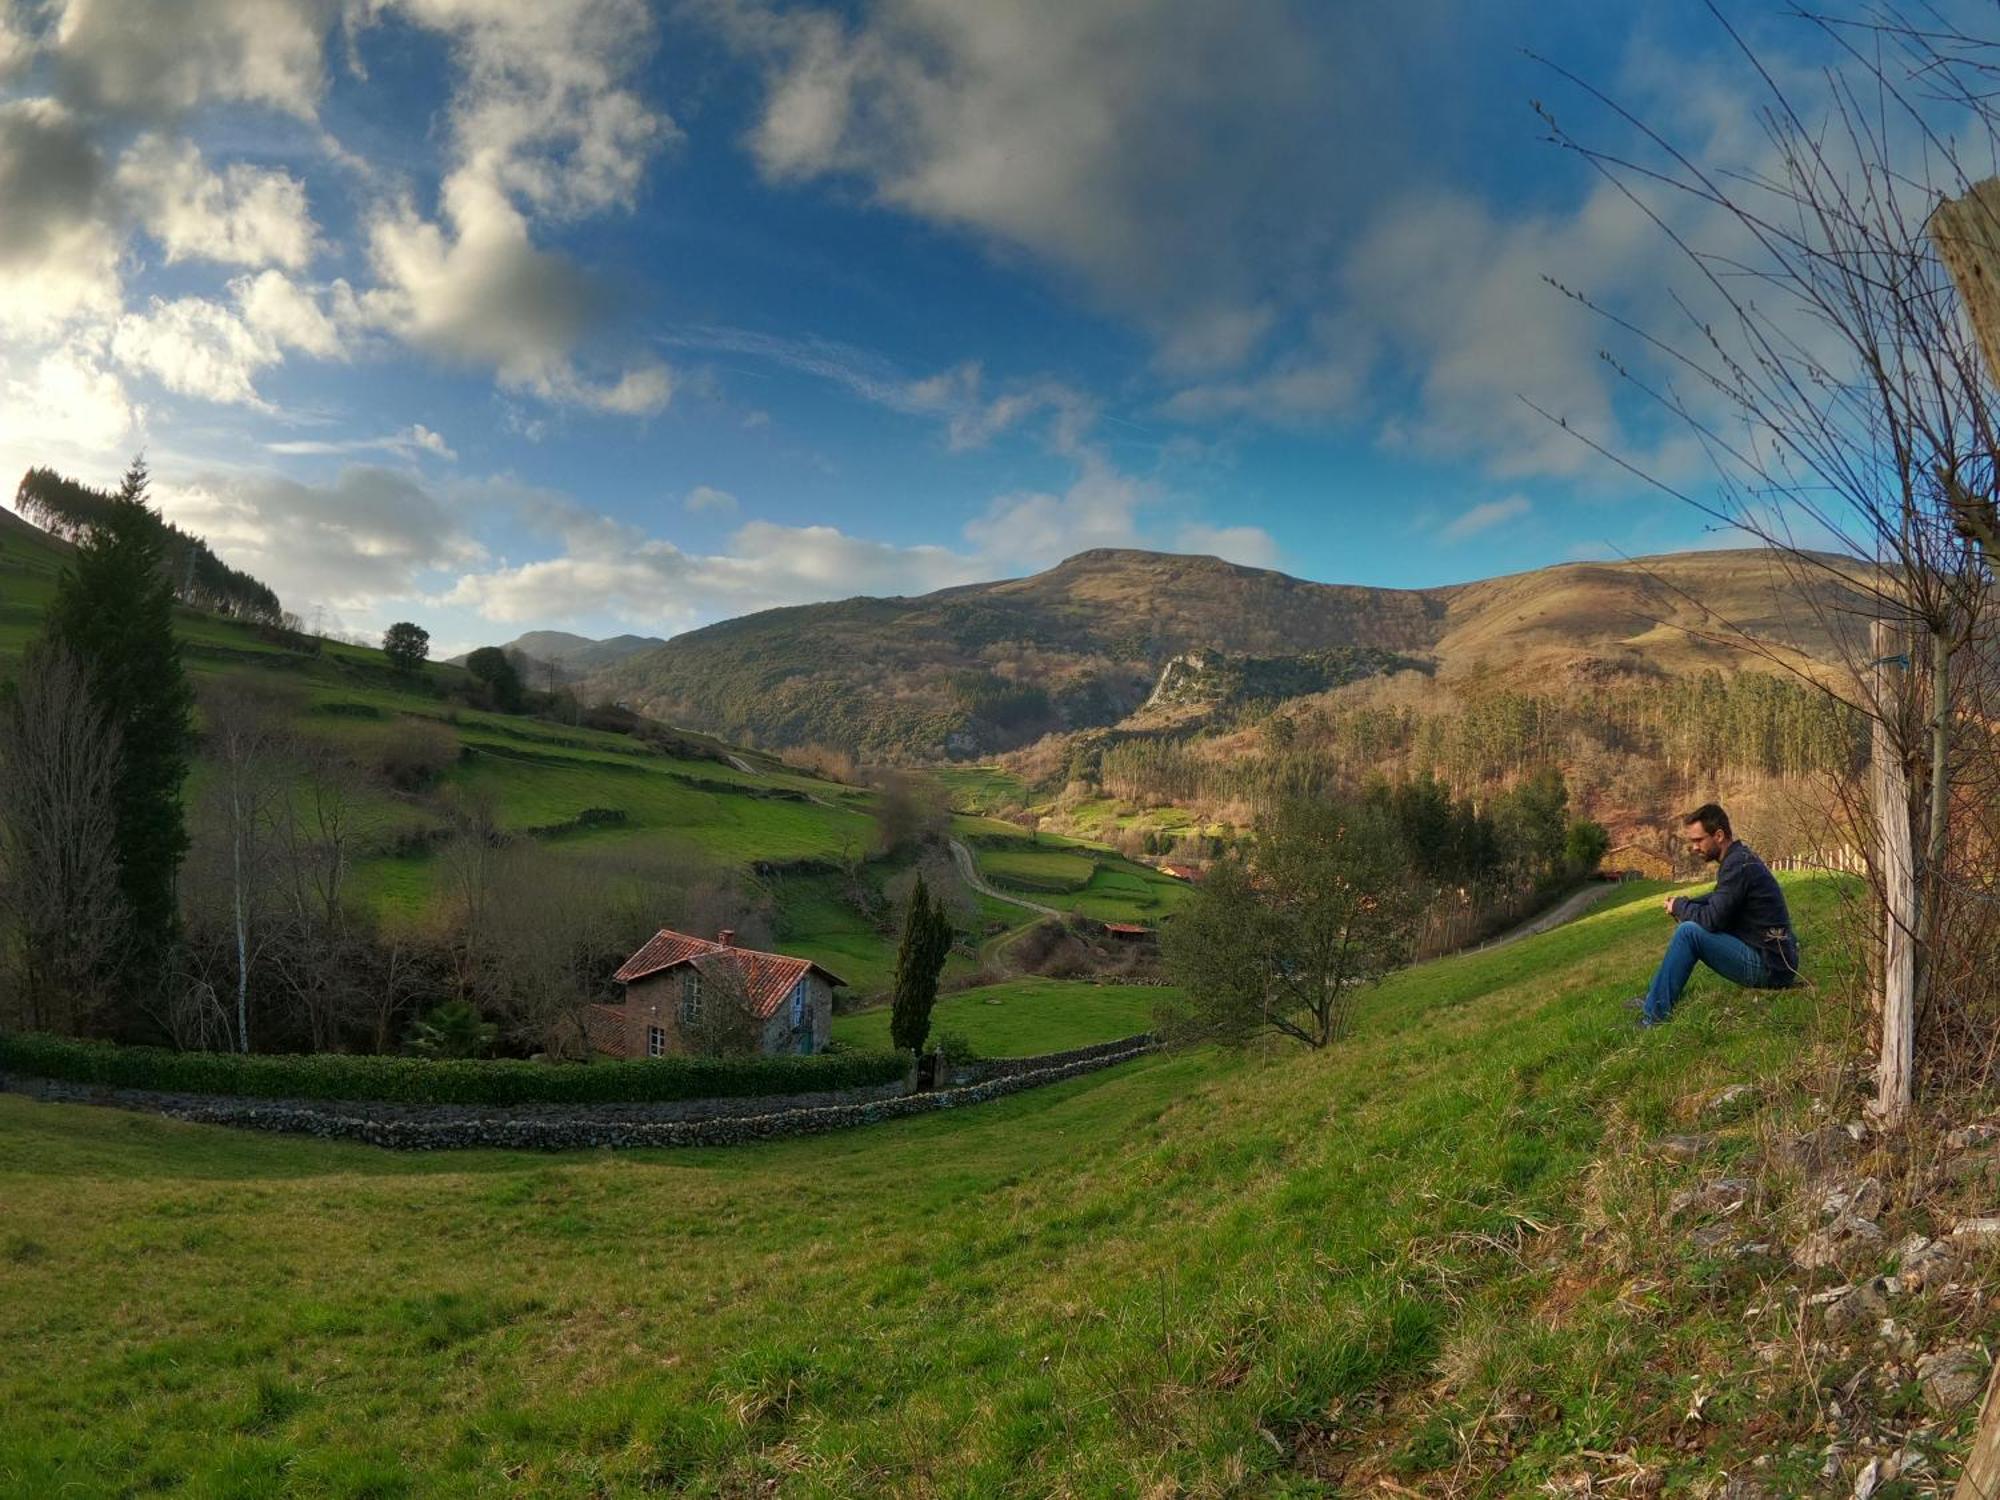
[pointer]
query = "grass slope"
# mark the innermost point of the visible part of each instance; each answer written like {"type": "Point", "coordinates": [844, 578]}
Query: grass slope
{"type": "Point", "coordinates": [1022, 1017]}
{"type": "Point", "coordinates": [1193, 1274]}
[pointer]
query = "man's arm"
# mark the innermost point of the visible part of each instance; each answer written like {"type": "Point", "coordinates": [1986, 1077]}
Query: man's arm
{"type": "Point", "coordinates": [1717, 910]}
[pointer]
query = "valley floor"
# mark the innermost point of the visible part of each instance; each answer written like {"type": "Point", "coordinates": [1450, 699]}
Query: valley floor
{"type": "Point", "coordinates": [1198, 1274]}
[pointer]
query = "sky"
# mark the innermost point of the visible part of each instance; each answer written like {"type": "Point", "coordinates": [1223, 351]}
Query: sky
{"type": "Point", "coordinates": [609, 316]}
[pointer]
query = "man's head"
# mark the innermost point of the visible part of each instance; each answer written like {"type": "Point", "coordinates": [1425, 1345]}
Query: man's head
{"type": "Point", "coordinates": [1706, 830]}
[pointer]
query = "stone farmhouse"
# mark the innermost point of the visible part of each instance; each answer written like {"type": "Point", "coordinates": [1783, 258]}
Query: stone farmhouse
{"type": "Point", "coordinates": [668, 981]}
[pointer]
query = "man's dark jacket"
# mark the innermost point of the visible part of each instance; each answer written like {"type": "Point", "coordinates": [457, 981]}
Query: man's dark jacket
{"type": "Point", "coordinates": [1748, 905]}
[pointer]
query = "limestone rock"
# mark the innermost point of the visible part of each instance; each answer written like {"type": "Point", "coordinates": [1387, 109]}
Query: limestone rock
{"type": "Point", "coordinates": [1856, 1310]}
{"type": "Point", "coordinates": [1862, 1200]}
{"type": "Point", "coordinates": [1684, 1147]}
{"type": "Point", "coordinates": [1952, 1377]}
{"type": "Point", "coordinates": [1979, 1133]}
{"type": "Point", "coordinates": [1720, 1196]}
{"type": "Point", "coordinates": [1924, 1262]}
{"type": "Point", "coordinates": [1846, 1237]}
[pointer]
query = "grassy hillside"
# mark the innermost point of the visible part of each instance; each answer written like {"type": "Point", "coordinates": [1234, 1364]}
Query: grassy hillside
{"type": "Point", "coordinates": [1022, 1017]}
{"type": "Point", "coordinates": [549, 781]}
{"type": "Point", "coordinates": [1432, 1256]}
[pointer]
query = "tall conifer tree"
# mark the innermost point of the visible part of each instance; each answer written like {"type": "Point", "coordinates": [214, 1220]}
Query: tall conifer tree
{"type": "Point", "coordinates": [113, 610]}
{"type": "Point", "coordinates": [919, 960]}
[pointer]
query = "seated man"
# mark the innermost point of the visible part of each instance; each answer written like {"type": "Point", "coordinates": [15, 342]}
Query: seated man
{"type": "Point", "coordinates": [1743, 930]}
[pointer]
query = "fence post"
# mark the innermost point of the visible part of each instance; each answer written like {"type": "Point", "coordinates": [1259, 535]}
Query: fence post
{"type": "Point", "coordinates": [1899, 894]}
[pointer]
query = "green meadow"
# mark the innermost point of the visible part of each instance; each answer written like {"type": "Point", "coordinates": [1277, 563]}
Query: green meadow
{"type": "Point", "coordinates": [1196, 1274]}
{"type": "Point", "coordinates": [1022, 1017]}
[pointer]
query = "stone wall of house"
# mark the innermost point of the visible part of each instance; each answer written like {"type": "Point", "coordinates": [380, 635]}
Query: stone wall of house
{"type": "Point", "coordinates": [563, 1128]}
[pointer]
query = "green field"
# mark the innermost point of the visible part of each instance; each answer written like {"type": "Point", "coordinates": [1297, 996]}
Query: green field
{"type": "Point", "coordinates": [1196, 1274]}
{"type": "Point", "coordinates": [1022, 1017]}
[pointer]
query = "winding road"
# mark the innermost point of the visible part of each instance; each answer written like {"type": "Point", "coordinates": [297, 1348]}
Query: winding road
{"type": "Point", "coordinates": [1573, 905]}
{"type": "Point", "coordinates": [969, 869]}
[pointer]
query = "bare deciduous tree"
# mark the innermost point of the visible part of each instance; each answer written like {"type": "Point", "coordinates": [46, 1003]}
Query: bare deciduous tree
{"type": "Point", "coordinates": [58, 859]}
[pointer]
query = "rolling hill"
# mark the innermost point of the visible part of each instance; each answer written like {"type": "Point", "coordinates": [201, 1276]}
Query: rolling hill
{"type": "Point", "coordinates": [1437, 1260]}
{"type": "Point", "coordinates": [988, 666]}
{"type": "Point", "coordinates": [575, 656]}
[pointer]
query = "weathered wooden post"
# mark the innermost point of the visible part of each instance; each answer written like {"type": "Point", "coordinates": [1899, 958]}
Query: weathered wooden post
{"type": "Point", "coordinates": [1891, 789]}
{"type": "Point", "coordinates": [1966, 231]}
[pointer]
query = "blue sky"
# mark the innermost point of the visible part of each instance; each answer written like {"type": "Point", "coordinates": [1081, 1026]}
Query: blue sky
{"type": "Point", "coordinates": [599, 315]}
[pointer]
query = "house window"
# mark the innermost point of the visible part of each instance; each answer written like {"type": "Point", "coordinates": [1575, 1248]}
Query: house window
{"type": "Point", "coordinates": [656, 1041]}
{"type": "Point", "coordinates": [799, 1003]}
{"type": "Point", "coordinates": [690, 997]}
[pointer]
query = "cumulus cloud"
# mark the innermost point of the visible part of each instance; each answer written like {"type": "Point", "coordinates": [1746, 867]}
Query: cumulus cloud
{"type": "Point", "coordinates": [372, 534]}
{"type": "Point", "coordinates": [241, 215]}
{"type": "Point", "coordinates": [1179, 160]}
{"type": "Point", "coordinates": [542, 123]}
{"type": "Point", "coordinates": [1485, 516]}
{"type": "Point", "coordinates": [58, 249]}
{"type": "Point", "coordinates": [198, 347]}
{"type": "Point", "coordinates": [165, 57]}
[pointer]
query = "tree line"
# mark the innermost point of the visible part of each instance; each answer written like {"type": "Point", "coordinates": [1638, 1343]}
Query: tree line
{"type": "Point", "coordinates": [72, 511]}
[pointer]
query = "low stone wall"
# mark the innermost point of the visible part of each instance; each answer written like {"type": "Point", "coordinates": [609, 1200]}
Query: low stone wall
{"type": "Point", "coordinates": [554, 1128]}
{"type": "Point", "coordinates": [378, 1111]}
{"type": "Point", "coordinates": [979, 1070]}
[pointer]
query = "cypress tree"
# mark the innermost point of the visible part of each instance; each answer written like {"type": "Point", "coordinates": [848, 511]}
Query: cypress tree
{"type": "Point", "coordinates": [919, 960]}
{"type": "Point", "coordinates": [113, 610]}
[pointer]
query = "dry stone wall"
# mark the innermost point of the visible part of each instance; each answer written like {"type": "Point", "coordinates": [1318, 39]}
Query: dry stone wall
{"type": "Point", "coordinates": [615, 1127]}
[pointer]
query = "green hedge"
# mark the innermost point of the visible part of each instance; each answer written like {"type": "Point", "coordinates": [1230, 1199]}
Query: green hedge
{"type": "Point", "coordinates": [413, 1080]}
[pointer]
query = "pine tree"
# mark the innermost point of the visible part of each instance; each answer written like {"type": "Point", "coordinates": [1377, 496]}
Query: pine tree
{"type": "Point", "coordinates": [919, 960]}
{"type": "Point", "coordinates": [113, 611]}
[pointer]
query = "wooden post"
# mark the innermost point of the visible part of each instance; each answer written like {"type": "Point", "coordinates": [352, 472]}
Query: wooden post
{"type": "Point", "coordinates": [1890, 783]}
{"type": "Point", "coordinates": [1980, 1478]}
{"type": "Point", "coordinates": [1966, 232]}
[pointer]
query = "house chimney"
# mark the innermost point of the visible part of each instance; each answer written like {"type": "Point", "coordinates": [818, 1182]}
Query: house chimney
{"type": "Point", "coordinates": [727, 937]}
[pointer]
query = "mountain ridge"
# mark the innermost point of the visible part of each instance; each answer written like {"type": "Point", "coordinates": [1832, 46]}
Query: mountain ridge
{"type": "Point", "coordinates": [985, 666]}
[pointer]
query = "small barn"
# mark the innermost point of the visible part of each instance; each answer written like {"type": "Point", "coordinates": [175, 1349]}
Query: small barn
{"type": "Point", "coordinates": [1634, 862]}
{"type": "Point", "coordinates": [1129, 932]}
{"type": "Point", "coordinates": [674, 976]}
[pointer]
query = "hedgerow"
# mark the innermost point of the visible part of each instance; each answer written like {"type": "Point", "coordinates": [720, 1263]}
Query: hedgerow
{"type": "Point", "coordinates": [412, 1080]}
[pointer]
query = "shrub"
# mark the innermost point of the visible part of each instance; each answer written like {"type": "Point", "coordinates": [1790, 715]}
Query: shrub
{"type": "Point", "coordinates": [415, 754]}
{"type": "Point", "coordinates": [415, 1080]}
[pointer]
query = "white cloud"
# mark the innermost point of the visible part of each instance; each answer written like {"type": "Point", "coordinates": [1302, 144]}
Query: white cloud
{"type": "Point", "coordinates": [1106, 139]}
{"type": "Point", "coordinates": [373, 534]}
{"type": "Point", "coordinates": [58, 250]}
{"type": "Point", "coordinates": [1101, 509]}
{"type": "Point", "coordinates": [705, 497]}
{"type": "Point", "coordinates": [241, 215]}
{"type": "Point", "coordinates": [1252, 546]}
{"type": "Point", "coordinates": [1485, 516]}
{"type": "Point", "coordinates": [66, 399]}
{"type": "Point", "coordinates": [542, 122]}
{"type": "Point", "coordinates": [1307, 388]}
{"type": "Point", "coordinates": [195, 347]}
{"type": "Point", "coordinates": [277, 309]}
{"type": "Point", "coordinates": [608, 568]}
{"type": "Point", "coordinates": [165, 57]}
{"type": "Point", "coordinates": [16, 45]}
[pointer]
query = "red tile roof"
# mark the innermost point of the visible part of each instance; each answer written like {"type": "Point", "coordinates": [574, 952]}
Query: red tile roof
{"type": "Point", "coordinates": [1128, 929]}
{"type": "Point", "coordinates": [767, 977]}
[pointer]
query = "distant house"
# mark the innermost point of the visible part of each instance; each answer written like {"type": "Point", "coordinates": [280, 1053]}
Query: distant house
{"type": "Point", "coordinates": [1634, 862]}
{"type": "Point", "coordinates": [1181, 872]}
{"type": "Point", "coordinates": [668, 981]}
{"type": "Point", "coordinates": [1129, 932]}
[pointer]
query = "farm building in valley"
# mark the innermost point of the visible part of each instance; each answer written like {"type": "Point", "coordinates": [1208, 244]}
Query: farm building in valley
{"type": "Point", "coordinates": [676, 985]}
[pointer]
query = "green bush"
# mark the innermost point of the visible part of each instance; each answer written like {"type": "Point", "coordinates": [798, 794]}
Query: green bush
{"type": "Point", "coordinates": [416, 1080]}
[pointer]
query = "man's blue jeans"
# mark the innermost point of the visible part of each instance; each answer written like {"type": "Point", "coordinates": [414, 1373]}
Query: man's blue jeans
{"type": "Point", "coordinates": [1732, 958]}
